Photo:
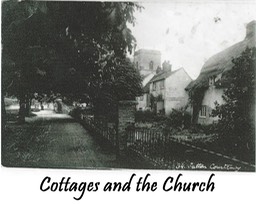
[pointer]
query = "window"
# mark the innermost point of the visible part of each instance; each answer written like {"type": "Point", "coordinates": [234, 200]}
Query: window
{"type": "Point", "coordinates": [212, 80]}
{"type": "Point", "coordinates": [161, 84]}
{"type": "Point", "coordinates": [202, 112]}
{"type": "Point", "coordinates": [154, 86]}
{"type": "Point", "coordinates": [151, 65]}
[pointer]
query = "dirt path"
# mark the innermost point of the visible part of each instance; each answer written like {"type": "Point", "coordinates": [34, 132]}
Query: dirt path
{"type": "Point", "coordinates": [54, 140]}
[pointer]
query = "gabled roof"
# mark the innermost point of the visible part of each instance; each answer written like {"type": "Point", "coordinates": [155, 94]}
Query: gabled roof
{"type": "Point", "coordinates": [163, 75]}
{"type": "Point", "coordinates": [145, 76]}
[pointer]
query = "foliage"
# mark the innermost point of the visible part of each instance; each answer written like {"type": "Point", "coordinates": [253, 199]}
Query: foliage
{"type": "Point", "coordinates": [124, 83]}
{"type": "Point", "coordinates": [15, 66]}
{"type": "Point", "coordinates": [236, 115]}
{"type": "Point", "coordinates": [144, 116]}
{"type": "Point", "coordinates": [208, 129]}
{"type": "Point", "coordinates": [84, 40]}
{"type": "Point", "coordinates": [153, 101]}
{"type": "Point", "coordinates": [179, 119]}
{"type": "Point", "coordinates": [70, 48]}
{"type": "Point", "coordinates": [149, 116]}
{"type": "Point", "coordinates": [196, 95]}
{"type": "Point", "coordinates": [76, 112]}
{"type": "Point", "coordinates": [93, 37]}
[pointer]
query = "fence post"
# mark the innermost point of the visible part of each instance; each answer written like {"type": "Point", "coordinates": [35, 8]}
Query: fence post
{"type": "Point", "coordinates": [126, 116]}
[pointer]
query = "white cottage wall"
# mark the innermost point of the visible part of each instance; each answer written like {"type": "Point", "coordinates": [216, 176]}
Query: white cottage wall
{"type": "Point", "coordinates": [175, 95]}
{"type": "Point", "coordinates": [210, 97]}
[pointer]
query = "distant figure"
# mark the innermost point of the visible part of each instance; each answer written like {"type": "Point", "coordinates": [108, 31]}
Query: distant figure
{"type": "Point", "coordinates": [42, 106]}
{"type": "Point", "coordinates": [58, 107]}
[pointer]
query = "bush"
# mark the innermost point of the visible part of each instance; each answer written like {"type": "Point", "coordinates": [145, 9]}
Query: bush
{"type": "Point", "coordinates": [179, 119]}
{"type": "Point", "coordinates": [209, 129]}
{"type": "Point", "coordinates": [206, 129]}
{"type": "Point", "coordinates": [76, 112]}
{"type": "Point", "coordinates": [236, 125]}
{"type": "Point", "coordinates": [10, 101]}
{"type": "Point", "coordinates": [144, 116]}
{"type": "Point", "coordinates": [149, 116]}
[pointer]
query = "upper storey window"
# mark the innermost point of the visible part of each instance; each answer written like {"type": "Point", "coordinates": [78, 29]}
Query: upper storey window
{"type": "Point", "coordinates": [212, 80]}
{"type": "Point", "coordinates": [161, 83]}
{"type": "Point", "coordinates": [154, 86]}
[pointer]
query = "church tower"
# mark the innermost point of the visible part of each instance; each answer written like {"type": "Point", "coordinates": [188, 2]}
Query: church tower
{"type": "Point", "coordinates": [147, 61]}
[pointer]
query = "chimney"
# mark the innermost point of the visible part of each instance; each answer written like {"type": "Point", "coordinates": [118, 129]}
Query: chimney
{"type": "Point", "coordinates": [167, 67]}
{"type": "Point", "coordinates": [158, 70]}
{"type": "Point", "coordinates": [251, 29]}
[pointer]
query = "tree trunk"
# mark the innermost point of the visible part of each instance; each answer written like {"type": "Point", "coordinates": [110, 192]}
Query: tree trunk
{"type": "Point", "coordinates": [3, 113]}
{"type": "Point", "coordinates": [195, 112]}
{"type": "Point", "coordinates": [22, 111]}
{"type": "Point", "coordinates": [27, 106]}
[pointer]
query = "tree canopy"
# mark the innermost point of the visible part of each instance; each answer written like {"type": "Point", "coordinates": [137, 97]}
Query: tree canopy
{"type": "Point", "coordinates": [67, 47]}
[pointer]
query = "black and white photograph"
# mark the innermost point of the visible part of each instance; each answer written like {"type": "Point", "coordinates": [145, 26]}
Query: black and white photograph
{"type": "Point", "coordinates": [149, 85]}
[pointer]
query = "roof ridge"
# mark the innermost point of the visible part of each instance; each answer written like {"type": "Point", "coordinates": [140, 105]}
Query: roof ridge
{"type": "Point", "coordinates": [164, 74]}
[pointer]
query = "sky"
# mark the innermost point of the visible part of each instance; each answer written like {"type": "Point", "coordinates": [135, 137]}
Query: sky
{"type": "Point", "coordinates": [187, 34]}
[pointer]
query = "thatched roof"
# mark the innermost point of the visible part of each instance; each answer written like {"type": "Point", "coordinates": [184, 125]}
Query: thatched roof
{"type": "Point", "coordinates": [222, 61]}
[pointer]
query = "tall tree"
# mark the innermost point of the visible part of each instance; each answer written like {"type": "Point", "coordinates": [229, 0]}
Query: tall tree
{"type": "Point", "coordinates": [70, 43]}
{"type": "Point", "coordinates": [123, 83]}
{"type": "Point", "coordinates": [22, 30]}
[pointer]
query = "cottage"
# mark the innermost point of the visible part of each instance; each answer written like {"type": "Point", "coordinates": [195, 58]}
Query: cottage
{"type": "Point", "coordinates": [168, 90]}
{"type": "Point", "coordinates": [213, 73]}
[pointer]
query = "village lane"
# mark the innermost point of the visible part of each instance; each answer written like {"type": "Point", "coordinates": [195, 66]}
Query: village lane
{"type": "Point", "coordinates": [56, 141]}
